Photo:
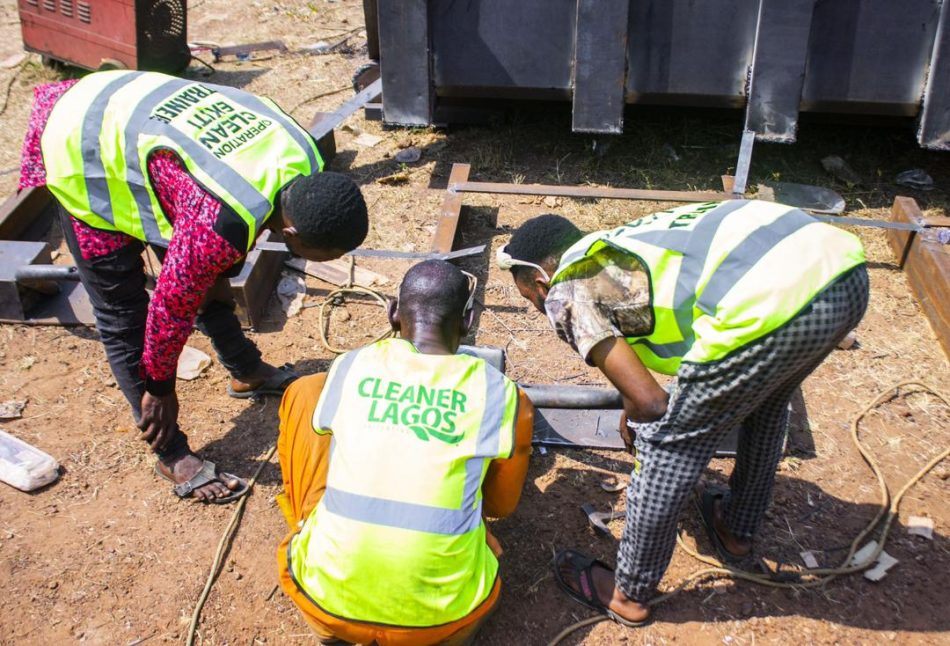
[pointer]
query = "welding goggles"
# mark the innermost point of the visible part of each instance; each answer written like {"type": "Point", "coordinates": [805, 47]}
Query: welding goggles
{"type": "Point", "coordinates": [505, 261]}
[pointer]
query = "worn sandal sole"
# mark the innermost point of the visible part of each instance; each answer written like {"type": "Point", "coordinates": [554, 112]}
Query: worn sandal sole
{"type": "Point", "coordinates": [705, 505]}
{"type": "Point", "coordinates": [206, 475]}
{"type": "Point", "coordinates": [580, 598]}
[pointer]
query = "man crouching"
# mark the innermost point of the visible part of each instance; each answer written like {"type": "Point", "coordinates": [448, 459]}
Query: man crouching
{"type": "Point", "coordinates": [390, 461]}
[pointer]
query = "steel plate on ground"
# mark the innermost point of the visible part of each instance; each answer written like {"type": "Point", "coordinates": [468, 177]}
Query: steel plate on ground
{"type": "Point", "coordinates": [593, 429]}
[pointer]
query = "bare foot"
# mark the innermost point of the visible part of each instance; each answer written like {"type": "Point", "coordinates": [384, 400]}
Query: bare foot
{"type": "Point", "coordinates": [184, 467]}
{"type": "Point", "coordinates": [736, 546]}
{"type": "Point", "coordinates": [606, 591]}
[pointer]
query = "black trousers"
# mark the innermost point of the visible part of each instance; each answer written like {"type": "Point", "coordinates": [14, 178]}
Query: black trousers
{"type": "Point", "coordinates": [116, 286]}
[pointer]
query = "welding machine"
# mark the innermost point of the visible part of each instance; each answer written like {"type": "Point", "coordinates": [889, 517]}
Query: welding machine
{"type": "Point", "coordinates": [108, 34]}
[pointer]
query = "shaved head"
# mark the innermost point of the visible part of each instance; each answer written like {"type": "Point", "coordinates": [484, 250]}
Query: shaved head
{"type": "Point", "coordinates": [433, 292]}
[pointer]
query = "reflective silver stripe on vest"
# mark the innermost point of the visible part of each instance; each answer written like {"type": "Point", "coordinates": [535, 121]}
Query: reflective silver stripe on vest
{"type": "Point", "coordinates": [291, 126]}
{"type": "Point", "coordinates": [694, 245]}
{"type": "Point", "coordinates": [489, 437]}
{"type": "Point", "coordinates": [746, 255]}
{"type": "Point", "coordinates": [426, 518]}
{"type": "Point", "coordinates": [136, 171]}
{"type": "Point", "coordinates": [97, 188]}
{"type": "Point", "coordinates": [333, 392]}
{"type": "Point", "coordinates": [229, 179]}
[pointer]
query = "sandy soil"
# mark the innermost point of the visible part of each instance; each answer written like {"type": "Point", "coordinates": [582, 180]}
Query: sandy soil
{"type": "Point", "coordinates": [108, 556]}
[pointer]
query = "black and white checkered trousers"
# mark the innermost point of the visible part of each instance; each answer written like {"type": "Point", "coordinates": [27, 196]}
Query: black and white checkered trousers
{"type": "Point", "coordinates": [749, 389]}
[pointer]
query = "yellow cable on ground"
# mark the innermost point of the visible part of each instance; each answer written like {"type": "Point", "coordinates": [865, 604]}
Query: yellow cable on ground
{"type": "Point", "coordinates": [819, 576]}
{"type": "Point", "coordinates": [222, 547]}
{"type": "Point", "coordinates": [332, 301]}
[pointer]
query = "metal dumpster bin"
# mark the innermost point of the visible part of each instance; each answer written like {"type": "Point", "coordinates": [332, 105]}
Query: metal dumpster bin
{"type": "Point", "coordinates": [775, 58]}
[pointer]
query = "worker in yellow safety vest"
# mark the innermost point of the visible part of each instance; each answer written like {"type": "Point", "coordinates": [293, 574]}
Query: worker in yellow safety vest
{"type": "Point", "coordinates": [740, 300]}
{"type": "Point", "coordinates": [390, 461]}
{"type": "Point", "coordinates": [197, 172]}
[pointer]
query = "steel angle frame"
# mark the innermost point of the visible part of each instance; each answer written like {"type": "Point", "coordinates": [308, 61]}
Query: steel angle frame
{"type": "Point", "coordinates": [777, 73]}
{"type": "Point", "coordinates": [451, 215]}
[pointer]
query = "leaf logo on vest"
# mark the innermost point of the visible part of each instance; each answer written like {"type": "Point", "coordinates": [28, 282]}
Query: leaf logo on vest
{"type": "Point", "coordinates": [427, 412]}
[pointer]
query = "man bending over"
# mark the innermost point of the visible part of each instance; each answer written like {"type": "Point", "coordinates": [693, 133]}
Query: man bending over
{"type": "Point", "coordinates": [741, 300]}
{"type": "Point", "coordinates": [390, 460]}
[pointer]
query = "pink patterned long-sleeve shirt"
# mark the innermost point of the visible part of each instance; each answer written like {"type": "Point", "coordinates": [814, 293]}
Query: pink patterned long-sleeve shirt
{"type": "Point", "coordinates": [197, 254]}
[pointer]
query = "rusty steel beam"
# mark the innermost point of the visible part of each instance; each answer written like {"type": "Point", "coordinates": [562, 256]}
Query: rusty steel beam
{"type": "Point", "coordinates": [451, 212]}
{"type": "Point", "coordinates": [599, 192]}
{"type": "Point", "coordinates": [21, 211]}
{"type": "Point", "coordinates": [926, 261]}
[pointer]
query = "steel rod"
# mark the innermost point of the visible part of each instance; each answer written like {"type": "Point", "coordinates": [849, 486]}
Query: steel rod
{"type": "Point", "coordinates": [589, 191]}
{"type": "Point", "coordinates": [555, 396]}
{"type": "Point", "coordinates": [46, 272]}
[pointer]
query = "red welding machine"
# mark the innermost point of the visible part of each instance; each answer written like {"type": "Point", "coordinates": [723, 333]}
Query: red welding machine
{"type": "Point", "coordinates": [108, 34]}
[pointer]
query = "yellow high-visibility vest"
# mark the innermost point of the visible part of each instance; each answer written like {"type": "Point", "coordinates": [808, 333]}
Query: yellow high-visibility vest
{"type": "Point", "coordinates": [722, 274]}
{"type": "Point", "coordinates": [398, 536]}
{"type": "Point", "coordinates": [241, 148]}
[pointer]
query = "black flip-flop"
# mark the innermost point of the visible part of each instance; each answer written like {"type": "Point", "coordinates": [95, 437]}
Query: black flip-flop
{"type": "Point", "coordinates": [582, 565]}
{"type": "Point", "coordinates": [206, 475]}
{"type": "Point", "coordinates": [706, 505]}
{"type": "Point", "coordinates": [276, 385]}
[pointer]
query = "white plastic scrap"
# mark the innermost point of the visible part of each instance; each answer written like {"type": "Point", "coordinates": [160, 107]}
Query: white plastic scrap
{"type": "Point", "coordinates": [290, 292]}
{"type": "Point", "coordinates": [191, 363]}
{"type": "Point", "coordinates": [884, 561]}
{"type": "Point", "coordinates": [367, 140]}
{"type": "Point", "coordinates": [921, 526]}
{"type": "Point", "coordinates": [810, 561]}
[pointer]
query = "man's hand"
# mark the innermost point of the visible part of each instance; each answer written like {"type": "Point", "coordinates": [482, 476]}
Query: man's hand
{"type": "Point", "coordinates": [625, 432]}
{"type": "Point", "coordinates": [159, 417]}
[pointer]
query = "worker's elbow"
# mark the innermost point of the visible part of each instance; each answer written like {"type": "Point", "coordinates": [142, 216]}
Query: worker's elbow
{"type": "Point", "coordinates": [649, 410]}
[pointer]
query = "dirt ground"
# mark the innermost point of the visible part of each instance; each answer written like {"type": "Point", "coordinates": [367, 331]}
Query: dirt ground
{"type": "Point", "coordinates": [108, 556]}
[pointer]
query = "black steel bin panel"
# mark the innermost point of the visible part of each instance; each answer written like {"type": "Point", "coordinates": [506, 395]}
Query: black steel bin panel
{"type": "Point", "coordinates": [500, 44]}
{"type": "Point", "coordinates": [684, 47]}
{"type": "Point", "coordinates": [869, 55]}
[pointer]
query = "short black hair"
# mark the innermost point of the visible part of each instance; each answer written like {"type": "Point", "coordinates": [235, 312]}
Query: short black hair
{"type": "Point", "coordinates": [541, 238]}
{"type": "Point", "coordinates": [328, 211]}
{"type": "Point", "coordinates": [433, 291]}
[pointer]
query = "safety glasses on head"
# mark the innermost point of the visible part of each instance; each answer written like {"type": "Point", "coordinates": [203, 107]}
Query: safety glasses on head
{"type": "Point", "coordinates": [505, 261]}
{"type": "Point", "coordinates": [472, 286]}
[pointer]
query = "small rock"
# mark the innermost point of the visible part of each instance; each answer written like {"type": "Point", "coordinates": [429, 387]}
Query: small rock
{"type": "Point", "coordinates": [13, 61]}
{"type": "Point", "coordinates": [409, 155]}
{"type": "Point", "coordinates": [551, 202]}
{"type": "Point", "coordinates": [238, 576]}
{"type": "Point", "coordinates": [848, 341]}
{"type": "Point", "coordinates": [12, 410]}
{"type": "Point", "coordinates": [839, 169]}
{"type": "Point", "coordinates": [916, 178]}
{"type": "Point", "coordinates": [53, 585]}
